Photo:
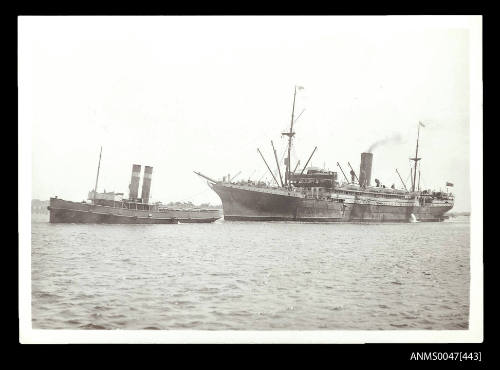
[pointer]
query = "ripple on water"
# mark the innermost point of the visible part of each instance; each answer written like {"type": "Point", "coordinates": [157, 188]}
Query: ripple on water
{"type": "Point", "coordinates": [93, 326]}
{"type": "Point", "coordinates": [102, 308]}
{"type": "Point", "coordinates": [48, 296]}
{"type": "Point", "coordinates": [73, 322]}
{"type": "Point", "coordinates": [336, 308]}
{"type": "Point", "coordinates": [399, 325]}
{"type": "Point", "coordinates": [250, 276]}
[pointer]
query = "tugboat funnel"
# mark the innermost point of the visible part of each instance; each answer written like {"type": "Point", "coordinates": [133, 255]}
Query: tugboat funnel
{"type": "Point", "coordinates": [146, 183]}
{"type": "Point", "coordinates": [134, 182]}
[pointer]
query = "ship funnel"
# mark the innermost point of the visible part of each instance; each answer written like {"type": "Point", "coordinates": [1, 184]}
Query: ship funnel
{"type": "Point", "coordinates": [134, 182]}
{"type": "Point", "coordinates": [146, 183]}
{"type": "Point", "coordinates": [365, 169]}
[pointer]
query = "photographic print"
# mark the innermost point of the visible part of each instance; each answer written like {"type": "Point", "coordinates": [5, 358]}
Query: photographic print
{"type": "Point", "coordinates": [250, 179]}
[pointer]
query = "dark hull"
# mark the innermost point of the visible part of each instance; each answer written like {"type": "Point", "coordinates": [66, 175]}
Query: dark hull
{"type": "Point", "coordinates": [62, 211]}
{"type": "Point", "coordinates": [246, 204]}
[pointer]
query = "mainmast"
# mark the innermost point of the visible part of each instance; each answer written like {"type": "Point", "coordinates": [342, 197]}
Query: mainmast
{"type": "Point", "coordinates": [416, 159]}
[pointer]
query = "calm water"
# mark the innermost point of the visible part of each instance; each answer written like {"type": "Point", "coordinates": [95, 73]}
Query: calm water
{"type": "Point", "coordinates": [232, 275]}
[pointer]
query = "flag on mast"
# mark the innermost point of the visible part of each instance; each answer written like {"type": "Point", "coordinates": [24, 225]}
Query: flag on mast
{"type": "Point", "coordinates": [421, 124]}
{"type": "Point", "coordinates": [300, 87]}
{"type": "Point", "coordinates": [449, 184]}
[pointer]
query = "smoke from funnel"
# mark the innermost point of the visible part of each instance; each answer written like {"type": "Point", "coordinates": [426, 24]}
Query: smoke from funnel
{"type": "Point", "coordinates": [393, 139]}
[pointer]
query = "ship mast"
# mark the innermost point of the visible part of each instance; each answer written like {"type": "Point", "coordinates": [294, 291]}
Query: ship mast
{"type": "Point", "coordinates": [416, 159]}
{"type": "Point", "coordinates": [97, 178]}
{"type": "Point", "coordinates": [290, 136]}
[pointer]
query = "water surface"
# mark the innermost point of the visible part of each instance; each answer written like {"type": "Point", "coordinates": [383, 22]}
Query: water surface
{"type": "Point", "coordinates": [251, 276]}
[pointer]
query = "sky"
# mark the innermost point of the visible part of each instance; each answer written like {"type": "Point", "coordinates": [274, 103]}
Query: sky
{"type": "Point", "coordinates": [184, 94]}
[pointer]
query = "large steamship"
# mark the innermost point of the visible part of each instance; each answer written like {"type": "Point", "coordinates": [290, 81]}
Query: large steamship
{"type": "Point", "coordinates": [112, 208]}
{"type": "Point", "coordinates": [317, 195]}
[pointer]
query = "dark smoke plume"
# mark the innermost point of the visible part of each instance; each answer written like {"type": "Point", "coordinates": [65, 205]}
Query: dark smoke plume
{"type": "Point", "coordinates": [394, 139]}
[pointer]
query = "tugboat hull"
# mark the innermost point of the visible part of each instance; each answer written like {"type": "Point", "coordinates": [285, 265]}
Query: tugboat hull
{"type": "Point", "coordinates": [63, 211]}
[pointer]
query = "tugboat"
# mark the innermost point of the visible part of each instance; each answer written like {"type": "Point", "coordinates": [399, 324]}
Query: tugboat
{"type": "Point", "coordinates": [112, 208]}
{"type": "Point", "coordinates": [317, 195]}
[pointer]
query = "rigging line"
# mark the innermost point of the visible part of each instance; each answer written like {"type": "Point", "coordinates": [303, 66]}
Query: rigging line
{"type": "Point", "coordinates": [250, 175]}
{"type": "Point", "coordinates": [407, 177]}
{"type": "Point", "coordinates": [256, 139]}
{"type": "Point", "coordinates": [262, 176]}
{"type": "Point", "coordinates": [422, 182]}
{"type": "Point", "coordinates": [282, 156]}
{"type": "Point", "coordinates": [295, 156]}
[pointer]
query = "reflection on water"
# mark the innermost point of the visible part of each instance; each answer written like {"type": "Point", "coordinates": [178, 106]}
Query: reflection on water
{"type": "Point", "coordinates": [235, 275]}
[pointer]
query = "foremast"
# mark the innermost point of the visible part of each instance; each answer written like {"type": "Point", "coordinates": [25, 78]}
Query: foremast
{"type": "Point", "coordinates": [290, 135]}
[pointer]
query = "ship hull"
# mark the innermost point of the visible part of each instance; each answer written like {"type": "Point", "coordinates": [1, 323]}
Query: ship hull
{"type": "Point", "coordinates": [242, 203]}
{"type": "Point", "coordinates": [63, 211]}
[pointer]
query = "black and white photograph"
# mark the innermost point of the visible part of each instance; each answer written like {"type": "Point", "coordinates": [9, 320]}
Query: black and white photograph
{"type": "Point", "coordinates": [250, 179]}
